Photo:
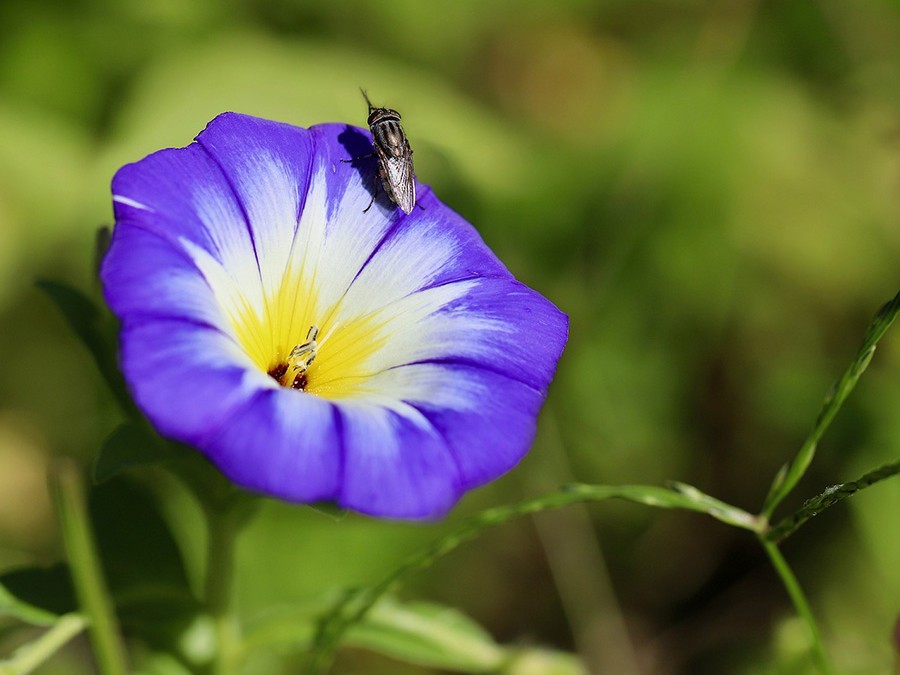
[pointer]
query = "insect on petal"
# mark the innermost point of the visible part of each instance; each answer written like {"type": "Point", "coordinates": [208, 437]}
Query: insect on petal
{"type": "Point", "coordinates": [384, 360]}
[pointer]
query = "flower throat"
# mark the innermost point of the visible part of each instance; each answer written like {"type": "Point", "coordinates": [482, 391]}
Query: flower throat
{"type": "Point", "coordinates": [292, 372]}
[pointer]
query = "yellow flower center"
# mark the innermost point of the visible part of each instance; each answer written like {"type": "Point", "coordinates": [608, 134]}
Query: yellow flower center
{"type": "Point", "coordinates": [305, 346]}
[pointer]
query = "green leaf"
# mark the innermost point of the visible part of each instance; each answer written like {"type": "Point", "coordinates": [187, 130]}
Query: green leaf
{"type": "Point", "coordinates": [718, 509]}
{"type": "Point", "coordinates": [787, 478]}
{"type": "Point", "coordinates": [131, 444]}
{"type": "Point", "coordinates": [351, 609]}
{"type": "Point", "coordinates": [161, 615]}
{"type": "Point", "coordinates": [102, 240]}
{"type": "Point", "coordinates": [829, 497]}
{"type": "Point", "coordinates": [545, 662]}
{"type": "Point", "coordinates": [37, 595]}
{"type": "Point", "coordinates": [136, 546]}
{"type": "Point", "coordinates": [679, 496]}
{"type": "Point", "coordinates": [428, 634]}
{"type": "Point", "coordinates": [93, 328]}
{"type": "Point", "coordinates": [134, 443]}
{"type": "Point", "coordinates": [293, 625]}
{"type": "Point", "coordinates": [329, 509]}
{"type": "Point", "coordinates": [32, 654]}
{"type": "Point", "coordinates": [423, 633]}
{"type": "Point", "coordinates": [160, 663]}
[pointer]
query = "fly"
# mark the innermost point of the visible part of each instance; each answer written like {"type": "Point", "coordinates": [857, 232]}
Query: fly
{"type": "Point", "coordinates": [395, 163]}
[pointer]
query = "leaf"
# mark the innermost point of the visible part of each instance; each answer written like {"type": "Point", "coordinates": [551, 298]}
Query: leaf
{"type": "Point", "coordinates": [37, 595]}
{"type": "Point", "coordinates": [32, 654]}
{"type": "Point", "coordinates": [160, 663]}
{"type": "Point", "coordinates": [352, 608]}
{"type": "Point", "coordinates": [718, 509]}
{"type": "Point", "coordinates": [89, 323]}
{"type": "Point", "coordinates": [142, 563]}
{"type": "Point", "coordinates": [136, 546]}
{"type": "Point", "coordinates": [787, 478]}
{"type": "Point", "coordinates": [134, 443]}
{"type": "Point", "coordinates": [160, 615]}
{"type": "Point", "coordinates": [423, 633]}
{"type": "Point", "coordinates": [428, 634]}
{"type": "Point", "coordinates": [829, 497]}
{"type": "Point", "coordinates": [545, 662]}
{"type": "Point", "coordinates": [102, 240]}
{"type": "Point", "coordinates": [131, 444]}
{"type": "Point", "coordinates": [329, 509]}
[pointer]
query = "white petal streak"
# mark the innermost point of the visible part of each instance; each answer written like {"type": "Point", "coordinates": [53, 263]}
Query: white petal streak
{"type": "Point", "coordinates": [421, 328]}
{"type": "Point", "coordinates": [127, 201]}
{"type": "Point", "coordinates": [428, 325]}
{"type": "Point", "coordinates": [406, 263]}
{"type": "Point", "coordinates": [376, 404]}
{"type": "Point", "coordinates": [334, 238]}
{"type": "Point", "coordinates": [272, 201]}
{"type": "Point", "coordinates": [306, 246]}
{"type": "Point", "coordinates": [227, 228]}
{"type": "Point", "coordinates": [227, 284]}
{"type": "Point", "coordinates": [428, 383]}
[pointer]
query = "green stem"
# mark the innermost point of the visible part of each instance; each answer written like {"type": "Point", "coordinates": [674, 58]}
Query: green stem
{"type": "Point", "coordinates": [219, 584]}
{"type": "Point", "coordinates": [786, 479]}
{"type": "Point", "coordinates": [354, 605]}
{"type": "Point", "coordinates": [28, 657]}
{"type": "Point", "coordinates": [67, 488]}
{"type": "Point", "coordinates": [793, 589]}
{"type": "Point", "coordinates": [831, 496]}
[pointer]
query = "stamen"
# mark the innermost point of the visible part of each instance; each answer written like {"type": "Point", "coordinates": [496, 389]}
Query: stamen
{"type": "Point", "coordinates": [302, 356]}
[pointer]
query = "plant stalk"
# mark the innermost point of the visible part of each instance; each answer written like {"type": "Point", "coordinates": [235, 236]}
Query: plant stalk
{"type": "Point", "coordinates": [67, 488]}
{"type": "Point", "coordinates": [792, 586]}
{"type": "Point", "coordinates": [222, 532]}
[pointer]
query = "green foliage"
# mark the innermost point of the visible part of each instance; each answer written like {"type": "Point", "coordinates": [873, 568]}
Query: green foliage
{"type": "Point", "coordinates": [94, 328]}
{"type": "Point", "coordinates": [709, 191]}
{"type": "Point", "coordinates": [32, 654]}
{"type": "Point", "coordinates": [788, 477]}
{"type": "Point", "coordinates": [37, 595]}
{"type": "Point", "coordinates": [430, 635]}
{"type": "Point", "coordinates": [131, 444]}
{"type": "Point", "coordinates": [829, 497]}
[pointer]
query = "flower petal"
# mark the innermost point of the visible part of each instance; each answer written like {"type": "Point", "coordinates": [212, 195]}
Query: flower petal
{"type": "Point", "coordinates": [430, 247]}
{"type": "Point", "coordinates": [227, 251]}
{"type": "Point", "coordinates": [145, 275]}
{"type": "Point", "coordinates": [487, 420]}
{"type": "Point", "coordinates": [496, 324]}
{"type": "Point", "coordinates": [338, 240]}
{"type": "Point", "coordinates": [335, 235]}
{"type": "Point", "coordinates": [267, 166]}
{"type": "Point", "coordinates": [187, 377]}
{"type": "Point", "coordinates": [283, 443]}
{"type": "Point", "coordinates": [183, 197]}
{"type": "Point", "coordinates": [395, 465]}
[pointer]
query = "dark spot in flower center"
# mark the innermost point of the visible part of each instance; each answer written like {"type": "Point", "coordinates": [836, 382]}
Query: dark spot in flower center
{"type": "Point", "coordinates": [280, 370]}
{"type": "Point", "coordinates": [277, 371]}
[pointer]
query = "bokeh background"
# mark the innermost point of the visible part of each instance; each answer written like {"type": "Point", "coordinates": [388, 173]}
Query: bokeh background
{"type": "Point", "coordinates": [711, 190]}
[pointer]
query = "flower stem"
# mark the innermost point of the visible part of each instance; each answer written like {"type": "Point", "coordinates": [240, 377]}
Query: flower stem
{"type": "Point", "coordinates": [786, 479]}
{"type": "Point", "coordinates": [67, 488]}
{"type": "Point", "coordinates": [793, 589]}
{"type": "Point", "coordinates": [354, 605]}
{"type": "Point", "coordinates": [219, 584]}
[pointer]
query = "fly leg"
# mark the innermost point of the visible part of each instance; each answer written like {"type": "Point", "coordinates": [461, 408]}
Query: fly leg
{"type": "Point", "coordinates": [374, 194]}
{"type": "Point", "coordinates": [374, 177]}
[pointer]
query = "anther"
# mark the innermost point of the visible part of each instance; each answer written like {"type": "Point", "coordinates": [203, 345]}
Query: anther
{"type": "Point", "coordinates": [302, 356]}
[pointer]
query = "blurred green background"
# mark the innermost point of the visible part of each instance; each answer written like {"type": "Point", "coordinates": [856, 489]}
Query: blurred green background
{"type": "Point", "coordinates": [710, 190]}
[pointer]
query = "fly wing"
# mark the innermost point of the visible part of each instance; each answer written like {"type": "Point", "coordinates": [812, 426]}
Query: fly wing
{"type": "Point", "coordinates": [401, 181]}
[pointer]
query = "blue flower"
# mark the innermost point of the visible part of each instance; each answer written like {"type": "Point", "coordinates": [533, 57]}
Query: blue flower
{"type": "Point", "coordinates": [313, 350]}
